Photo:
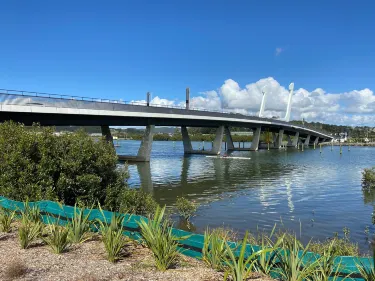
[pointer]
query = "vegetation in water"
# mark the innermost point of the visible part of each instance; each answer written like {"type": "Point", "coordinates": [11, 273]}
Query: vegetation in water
{"type": "Point", "coordinates": [158, 237]}
{"type": "Point", "coordinates": [185, 208]}
{"type": "Point", "coordinates": [137, 202]}
{"type": "Point", "coordinates": [368, 178]}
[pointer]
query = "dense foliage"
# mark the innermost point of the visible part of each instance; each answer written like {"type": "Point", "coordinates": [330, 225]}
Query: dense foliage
{"type": "Point", "coordinates": [37, 164]}
{"type": "Point", "coordinates": [368, 178]}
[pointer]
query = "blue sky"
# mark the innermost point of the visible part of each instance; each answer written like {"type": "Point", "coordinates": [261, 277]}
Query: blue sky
{"type": "Point", "coordinates": [122, 49]}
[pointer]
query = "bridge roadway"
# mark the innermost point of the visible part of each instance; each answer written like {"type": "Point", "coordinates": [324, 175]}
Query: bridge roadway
{"type": "Point", "coordinates": [57, 110]}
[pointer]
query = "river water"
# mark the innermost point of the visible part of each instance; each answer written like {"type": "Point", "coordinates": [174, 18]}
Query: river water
{"type": "Point", "coordinates": [312, 193]}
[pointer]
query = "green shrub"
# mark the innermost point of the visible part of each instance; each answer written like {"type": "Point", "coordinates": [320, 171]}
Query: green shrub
{"type": "Point", "coordinates": [137, 202]}
{"type": "Point", "coordinates": [79, 226]}
{"type": "Point", "coordinates": [185, 208]}
{"type": "Point", "coordinates": [37, 164]}
{"type": "Point", "coordinates": [158, 237]}
{"type": "Point", "coordinates": [6, 219]}
{"type": "Point", "coordinates": [341, 247]}
{"type": "Point", "coordinates": [29, 230]}
{"type": "Point", "coordinates": [368, 178]}
{"type": "Point", "coordinates": [57, 237]}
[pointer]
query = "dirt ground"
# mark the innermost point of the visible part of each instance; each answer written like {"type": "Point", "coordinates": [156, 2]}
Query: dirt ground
{"type": "Point", "coordinates": [87, 262]}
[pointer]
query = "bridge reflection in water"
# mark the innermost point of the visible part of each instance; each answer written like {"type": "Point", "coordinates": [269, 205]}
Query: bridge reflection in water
{"type": "Point", "coordinates": [320, 190]}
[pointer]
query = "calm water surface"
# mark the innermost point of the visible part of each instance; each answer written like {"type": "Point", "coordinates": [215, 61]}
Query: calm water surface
{"type": "Point", "coordinates": [320, 191]}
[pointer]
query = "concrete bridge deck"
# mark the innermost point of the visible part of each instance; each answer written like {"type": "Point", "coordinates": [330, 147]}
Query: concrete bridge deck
{"type": "Point", "coordinates": [55, 110]}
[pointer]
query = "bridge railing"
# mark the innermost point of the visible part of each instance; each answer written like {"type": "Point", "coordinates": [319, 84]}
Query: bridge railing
{"type": "Point", "coordinates": [27, 98]}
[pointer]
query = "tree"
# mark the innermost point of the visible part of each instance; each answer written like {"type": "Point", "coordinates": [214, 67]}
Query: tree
{"type": "Point", "coordinates": [37, 164]}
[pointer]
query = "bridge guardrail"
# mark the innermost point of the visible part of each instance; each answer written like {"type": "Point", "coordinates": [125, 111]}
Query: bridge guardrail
{"type": "Point", "coordinates": [26, 98]}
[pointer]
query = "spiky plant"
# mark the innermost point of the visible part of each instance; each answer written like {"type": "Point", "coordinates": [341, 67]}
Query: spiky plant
{"type": "Point", "coordinates": [112, 235]}
{"type": "Point", "coordinates": [57, 237]}
{"type": "Point", "coordinates": [32, 211]}
{"type": "Point", "coordinates": [295, 262]}
{"type": "Point", "coordinates": [29, 230]}
{"type": "Point", "coordinates": [158, 237]}
{"type": "Point", "coordinates": [239, 265]}
{"type": "Point", "coordinates": [79, 226]}
{"type": "Point", "coordinates": [6, 219]}
{"type": "Point", "coordinates": [367, 271]}
{"type": "Point", "coordinates": [214, 249]}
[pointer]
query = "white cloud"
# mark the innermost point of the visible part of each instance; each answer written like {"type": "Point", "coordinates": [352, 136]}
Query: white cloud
{"type": "Point", "coordinates": [355, 107]}
{"type": "Point", "coordinates": [278, 51]}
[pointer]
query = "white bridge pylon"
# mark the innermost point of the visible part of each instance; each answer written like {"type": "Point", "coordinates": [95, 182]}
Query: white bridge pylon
{"type": "Point", "coordinates": [288, 108]}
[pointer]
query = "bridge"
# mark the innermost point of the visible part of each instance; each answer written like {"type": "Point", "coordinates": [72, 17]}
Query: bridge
{"type": "Point", "coordinates": [61, 110]}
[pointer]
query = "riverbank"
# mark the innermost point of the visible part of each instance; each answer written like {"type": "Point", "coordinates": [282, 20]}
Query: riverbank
{"type": "Point", "coordinates": [371, 144]}
{"type": "Point", "coordinates": [87, 262]}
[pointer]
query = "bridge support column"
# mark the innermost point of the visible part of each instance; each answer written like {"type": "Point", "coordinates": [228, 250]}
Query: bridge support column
{"type": "Point", "coordinates": [106, 132]}
{"type": "Point", "coordinates": [144, 151]}
{"type": "Point", "coordinates": [307, 140]}
{"type": "Point", "coordinates": [290, 143]}
{"type": "Point", "coordinates": [279, 140]}
{"type": "Point", "coordinates": [186, 140]}
{"type": "Point", "coordinates": [216, 147]}
{"type": "Point", "coordinates": [256, 138]}
{"type": "Point", "coordinates": [316, 141]}
{"type": "Point", "coordinates": [296, 139]}
{"type": "Point", "coordinates": [229, 139]}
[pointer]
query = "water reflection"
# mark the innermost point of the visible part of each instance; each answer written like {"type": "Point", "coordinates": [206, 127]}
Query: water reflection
{"type": "Point", "coordinates": [323, 188]}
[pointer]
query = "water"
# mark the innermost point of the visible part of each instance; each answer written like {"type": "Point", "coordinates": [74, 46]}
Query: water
{"type": "Point", "coordinates": [319, 191]}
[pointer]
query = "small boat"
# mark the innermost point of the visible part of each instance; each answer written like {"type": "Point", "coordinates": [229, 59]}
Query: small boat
{"type": "Point", "coordinates": [228, 157]}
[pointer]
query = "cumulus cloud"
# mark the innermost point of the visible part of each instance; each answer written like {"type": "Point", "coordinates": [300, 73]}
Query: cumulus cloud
{"type": "Point", "coordinates": [355, 107]}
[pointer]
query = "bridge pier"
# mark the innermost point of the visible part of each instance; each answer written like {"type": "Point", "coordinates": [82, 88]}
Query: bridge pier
{"type": "Point", "coordinates": [294, 142]}
{"type": "Point", "coordinates": [106, 132]}
{"type": "Point", "coordinates": [307, 140]}
{"type": "Point", "coordinates": [256, 139]}
{"type": "Point", "coordinates": [228, 136]}
{"type": "Point", "coordinates": [144, 151]}
{"type": "Point", "coordinates": [279, 140]}
{"type": "Point", "coordinates": [316, 141]}
{"type": "Point", "coordinates": [216, 147]}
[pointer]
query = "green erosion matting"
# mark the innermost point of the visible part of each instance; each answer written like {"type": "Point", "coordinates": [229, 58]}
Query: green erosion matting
{"type": "Point", "coordinates": [192, 246]}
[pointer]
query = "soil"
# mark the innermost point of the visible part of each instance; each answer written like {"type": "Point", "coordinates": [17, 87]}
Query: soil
{"type": "Point", "coordinates": [87, 262]}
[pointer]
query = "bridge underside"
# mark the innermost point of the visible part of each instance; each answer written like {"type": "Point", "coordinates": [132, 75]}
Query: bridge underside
{"type": "Point", "coordinates": [295, 135]}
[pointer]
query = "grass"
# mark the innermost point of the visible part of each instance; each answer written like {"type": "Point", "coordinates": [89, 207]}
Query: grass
{"type": "Point", "coordinates": [57, 237]}
{"type": "Point", "coordinates": [158, 237]}
{"type": "Point", "coordinates": [15, 270]}
{"type": "Point", "coordinates": [367, 272]}
{"type": "Point", "coordinates": [6, 219]}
